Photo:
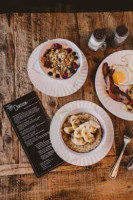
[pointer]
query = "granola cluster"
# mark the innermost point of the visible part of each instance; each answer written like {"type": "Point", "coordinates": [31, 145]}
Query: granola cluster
{"type": "Point", "coordinates": [59, 62]}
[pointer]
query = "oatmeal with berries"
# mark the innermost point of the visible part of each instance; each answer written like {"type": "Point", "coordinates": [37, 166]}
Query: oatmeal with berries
{"type": "Point", "coordinates": [60, 62]}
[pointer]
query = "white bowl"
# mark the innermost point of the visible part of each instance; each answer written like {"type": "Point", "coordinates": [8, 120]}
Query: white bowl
{"type": "Point", "coordinates": [70, 156]}
{"type": "Point", "coordinates": [63, 42]}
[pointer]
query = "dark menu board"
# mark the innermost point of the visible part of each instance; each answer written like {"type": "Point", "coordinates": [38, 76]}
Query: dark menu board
{"type": "Point", "coordinates": [31, 125]}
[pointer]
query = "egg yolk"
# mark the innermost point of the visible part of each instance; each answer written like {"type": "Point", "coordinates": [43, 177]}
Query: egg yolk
{"type": "Point", "coordinates": [118, 77]}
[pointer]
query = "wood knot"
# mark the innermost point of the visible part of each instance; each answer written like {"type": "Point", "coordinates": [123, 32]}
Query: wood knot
{"type": "Point", "coordinates": [52, 103]}
{"type": "Point", "coordinates": [103, 179]}
{"type": "Point", "coordinates": [8, 139]}
{"type": "Point", "coordinates": [97, 60]}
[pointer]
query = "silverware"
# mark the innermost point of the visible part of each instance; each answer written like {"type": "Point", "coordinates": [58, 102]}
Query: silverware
{"type": "Point", "coordinates": [130, 165]}
{"type": "Point", "coordinates": [127, 138]}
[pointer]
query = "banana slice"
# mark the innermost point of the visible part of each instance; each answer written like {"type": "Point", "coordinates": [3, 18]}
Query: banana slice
{"type": "Point", "coordinates": [67, 124]}
{"type": "Point", "coordinates": [78, 141]}
{"type": "Point", "coordinates": [94, 124]}
{"type": "Point", "coordinates": [68, 130]}
{"type": "Point", "coordinates": [84, 125]}
{"type": "Point", "coordinates": [75, 124]}
{"type": "Point", "coordinates": [91, 125]}
{"type": "Point", "coordinates": [78, 132]}
{"type": "Point", "coordinates": [88, 126]}
{"type": "Point", "coordinates": [88, 137]}
{"type": "Point", "coordinates": [72, 118]}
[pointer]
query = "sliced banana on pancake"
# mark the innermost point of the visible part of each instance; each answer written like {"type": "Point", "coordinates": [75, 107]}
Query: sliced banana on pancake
{"type": "Point", "coordinates": [78, 132]}
{"type": "Point", "coordinates": [88, 137]}
{"type": "Point", "coordinates": [68, 130]}
{"type": "Point", "coordinates": [78, 141]}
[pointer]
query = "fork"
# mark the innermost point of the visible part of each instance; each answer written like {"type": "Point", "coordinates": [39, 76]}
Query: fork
{"type": "Point", "coordinates": [127, 138]}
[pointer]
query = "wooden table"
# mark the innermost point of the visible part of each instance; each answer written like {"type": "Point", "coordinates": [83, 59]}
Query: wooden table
{"type": "Point", "coordinates": [19, 35]}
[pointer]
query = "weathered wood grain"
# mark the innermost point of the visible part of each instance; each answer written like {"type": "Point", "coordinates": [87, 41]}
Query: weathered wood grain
{"type": "Point", "coordinates": [19, 35]}
{"type": "Point", "coordinates": [8, 142]}
{"type": "Point", "coordinates": [70, 182]}
{"type": "Point", "coordinates": [25, 168]}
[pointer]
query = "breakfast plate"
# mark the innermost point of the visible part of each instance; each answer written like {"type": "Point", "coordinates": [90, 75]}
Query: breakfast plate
{"type": "Point", "coordinates": [73, 156]}
{"type": "Point", "coordinates": [119, 61]}
{"type": "Point", "coordinates": [51, 86]}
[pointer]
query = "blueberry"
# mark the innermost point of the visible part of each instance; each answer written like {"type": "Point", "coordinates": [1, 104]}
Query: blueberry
{"type": "Point", "coordinates": [72, 71]}
{"type": "Point", "coordinates": [57, 75]}
{"type": "Point", "coordinates": [73, 53]}
{"type": "Point", "coordinates": [76, 57]}
{"type": "Point", "coordinates": [50, 73]}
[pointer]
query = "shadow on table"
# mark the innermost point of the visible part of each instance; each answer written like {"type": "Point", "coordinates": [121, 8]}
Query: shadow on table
{"type": "Point", "coordinates": [10, 6]}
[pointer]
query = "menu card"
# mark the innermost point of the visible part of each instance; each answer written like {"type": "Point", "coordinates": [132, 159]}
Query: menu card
{"type": "Point", "coordinates": [31, 125]}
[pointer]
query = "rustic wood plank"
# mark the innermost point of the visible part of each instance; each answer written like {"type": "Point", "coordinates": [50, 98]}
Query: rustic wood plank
{"type": "Point", "coordinates": [70, 183]}
{"type": "Point", "coordinates": [23, 46]}
{"type": "Point", "coordinates": [25, 168]}
{"type": "Point", "coordinates": [8, 141]}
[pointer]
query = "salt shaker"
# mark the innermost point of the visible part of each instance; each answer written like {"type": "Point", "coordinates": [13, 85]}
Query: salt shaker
{"type": "Point", "coordinates": [97, 40]}
{"type": "Point", "coordinates": [120, 35]}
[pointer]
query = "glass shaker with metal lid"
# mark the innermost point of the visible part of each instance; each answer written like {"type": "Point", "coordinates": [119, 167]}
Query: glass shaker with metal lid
{"type": "Point", "coordinates": [120, 35]}
{"type": "Point", "coordinates": [97, 40]}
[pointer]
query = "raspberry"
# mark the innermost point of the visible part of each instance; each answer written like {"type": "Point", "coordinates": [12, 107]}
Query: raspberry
{"type": "Point", "coordinates": [69, 50]}
{"type": "Point", "coordinates": [47, 63]}
{"type": "Point", "coordinates": [57, 46]}
{"type": "Point", "coordinates": [75, 65]}
{"type": "Point", "coordinates": [65, 76]}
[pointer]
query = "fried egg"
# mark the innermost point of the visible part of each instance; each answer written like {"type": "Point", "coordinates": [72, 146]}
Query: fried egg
{"type": "Point", "coordinates": [122, 75]}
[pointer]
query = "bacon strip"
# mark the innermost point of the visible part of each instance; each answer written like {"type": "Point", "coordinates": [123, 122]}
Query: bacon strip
{"type": "Point", "coordinates": [112, 89]}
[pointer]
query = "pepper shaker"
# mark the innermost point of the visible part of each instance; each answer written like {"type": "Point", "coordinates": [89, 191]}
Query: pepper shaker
{"type": "Point", "coordinates": [97, 40]}
{"type": "Point", "coordinates": [120, 35]}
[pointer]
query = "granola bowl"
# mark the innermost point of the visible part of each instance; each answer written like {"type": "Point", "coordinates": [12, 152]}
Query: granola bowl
{"type": "Point", "coordinates": [60, 59]}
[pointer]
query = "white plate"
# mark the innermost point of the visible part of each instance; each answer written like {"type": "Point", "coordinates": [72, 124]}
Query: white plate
{"type": "Point", "coordinates": [54, 87]}
{"type": "Point", "coordinates": [75, 158]}
{"type": "Point", "coordinates": [116, 108]}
